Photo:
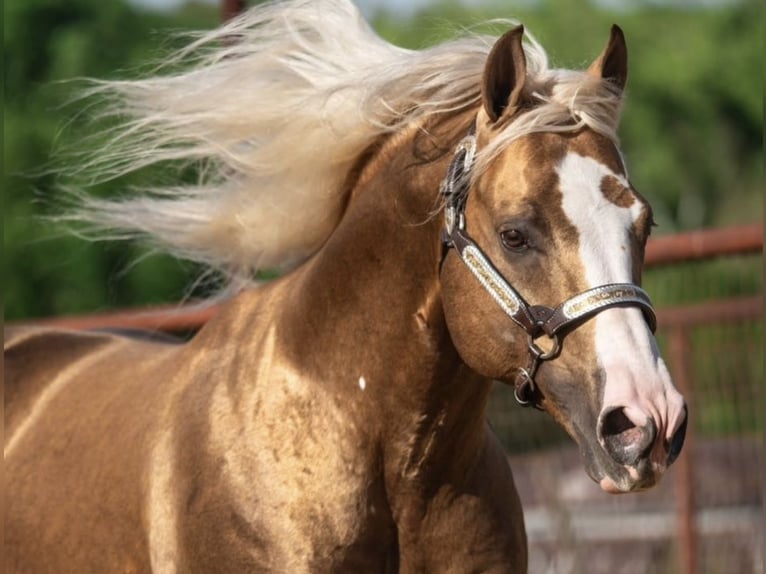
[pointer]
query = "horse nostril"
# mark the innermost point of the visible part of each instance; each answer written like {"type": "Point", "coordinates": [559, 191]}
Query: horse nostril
{"type": "Point", "coordinates": [677, 442]}
{"type": "Point", "coordinates": [625, 442]}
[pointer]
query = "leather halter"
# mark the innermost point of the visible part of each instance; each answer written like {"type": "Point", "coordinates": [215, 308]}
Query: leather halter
{"type": "Point", "coordinates": [536, 320]}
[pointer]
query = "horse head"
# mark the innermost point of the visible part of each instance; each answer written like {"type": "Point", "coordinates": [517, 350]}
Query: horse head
{"type": "Point", "coordinates": [542, 215]}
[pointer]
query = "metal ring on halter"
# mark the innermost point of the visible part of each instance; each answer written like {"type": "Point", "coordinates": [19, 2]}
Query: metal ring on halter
{"type": "Point", "coordinates": [542, 355]}
{"type": "Point", "coordinates": [525, 379]}
{"type": "Point", "coordinates": [522, 385]}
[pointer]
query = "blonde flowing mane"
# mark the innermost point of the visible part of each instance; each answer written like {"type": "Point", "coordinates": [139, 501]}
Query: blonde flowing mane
{"type": "Point", "coordinates": [275, 107]}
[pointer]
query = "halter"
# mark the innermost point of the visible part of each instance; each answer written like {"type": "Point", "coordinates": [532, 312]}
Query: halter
{"type": "Point", "coordinates": [536, 320]}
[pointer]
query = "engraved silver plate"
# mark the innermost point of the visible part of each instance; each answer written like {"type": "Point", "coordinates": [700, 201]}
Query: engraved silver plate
{"type": "Point", "coordinates": [500, 291]}
{"type": "Point", "coordinates": [605, 296]}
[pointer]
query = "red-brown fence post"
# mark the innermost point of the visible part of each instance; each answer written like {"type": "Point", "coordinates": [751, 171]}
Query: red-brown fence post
{"type": "Point", "coordinates": [230, 8]}
{"type": "Point", "coordinates": [680, 360]}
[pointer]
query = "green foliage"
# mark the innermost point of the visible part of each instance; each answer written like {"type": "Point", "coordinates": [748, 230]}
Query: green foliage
{"type": "Point", "coordinates": [48, 43]}
{"type": "Point", "coordinates": [692, 127]}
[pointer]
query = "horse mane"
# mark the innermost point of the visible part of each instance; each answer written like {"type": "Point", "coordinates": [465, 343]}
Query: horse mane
{"type": "Point", "coordinates": [274, 108]}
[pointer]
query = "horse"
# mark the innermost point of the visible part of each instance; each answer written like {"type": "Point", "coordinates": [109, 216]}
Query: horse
{"type": "Point", "coordinates": [443, 219]}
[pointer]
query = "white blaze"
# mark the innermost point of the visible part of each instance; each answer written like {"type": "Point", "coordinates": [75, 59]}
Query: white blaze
{"type": "Point", "coordinates": [636, 376]}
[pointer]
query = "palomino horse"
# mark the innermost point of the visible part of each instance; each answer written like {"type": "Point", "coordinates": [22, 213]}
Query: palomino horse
{"type": "Point", "coordinates": [451, 216]}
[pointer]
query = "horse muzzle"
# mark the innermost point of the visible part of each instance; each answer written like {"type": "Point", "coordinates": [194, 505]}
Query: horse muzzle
{"type": "Point", "coordinates": [636, 452]}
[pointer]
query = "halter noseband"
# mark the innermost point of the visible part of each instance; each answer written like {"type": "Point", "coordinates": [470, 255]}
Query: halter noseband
{"type": "Point", "coordinates": [536, 320]}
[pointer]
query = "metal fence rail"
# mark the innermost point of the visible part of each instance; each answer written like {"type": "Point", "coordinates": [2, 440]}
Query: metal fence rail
{"type": "Point", "coordinates": [664, 250]}
{"type": "Point", "coordinates": [704, 244]}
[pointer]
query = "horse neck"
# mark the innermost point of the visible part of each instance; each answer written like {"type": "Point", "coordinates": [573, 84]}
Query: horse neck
{"type": "Point", "coordinates": [366, 316]}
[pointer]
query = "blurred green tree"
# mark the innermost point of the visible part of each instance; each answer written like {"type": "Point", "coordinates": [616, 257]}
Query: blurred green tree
{"type": "Point", "coordinates": [48, 271]}
{"type": "Point", "coordinates": [692, 127]}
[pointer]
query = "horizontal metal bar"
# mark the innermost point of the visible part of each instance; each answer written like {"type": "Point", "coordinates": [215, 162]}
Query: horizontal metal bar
{"type": "Point", "coordinates": [696, 245]}
{"type": "Point", "coordinates": [170, 318]}
{"type": "Point", "coordinates": [544, 525]}
{"type": "Point", "coordinates": [179, 318]}
{"type": "Point", "coordinates": [704, 244]}
{"type": "Point", "coordinates": [711, 312]}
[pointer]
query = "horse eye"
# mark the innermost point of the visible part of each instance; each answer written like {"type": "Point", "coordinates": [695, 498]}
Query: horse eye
{"type": "Point", "coordinates": [513, 239]}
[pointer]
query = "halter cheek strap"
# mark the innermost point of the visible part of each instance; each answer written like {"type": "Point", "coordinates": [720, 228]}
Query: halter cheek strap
{"type": "Point", "coordinates": [536, 320]}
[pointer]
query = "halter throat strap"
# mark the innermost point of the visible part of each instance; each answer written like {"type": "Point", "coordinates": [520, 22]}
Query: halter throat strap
{"type": "Point", "coordinates": [536, 320]}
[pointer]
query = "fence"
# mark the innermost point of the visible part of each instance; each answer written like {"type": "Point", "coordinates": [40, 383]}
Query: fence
{"type": "Point", "coordinates": [707, 516]}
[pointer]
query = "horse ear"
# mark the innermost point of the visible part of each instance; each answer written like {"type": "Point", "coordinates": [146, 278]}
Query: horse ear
{"type": "Point", "coordinates": [504, 75]}
{"type": "Point", "coordinates": [612, 64]}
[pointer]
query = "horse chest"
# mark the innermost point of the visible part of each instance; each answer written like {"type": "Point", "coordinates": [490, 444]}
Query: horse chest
{"type": "Point", "coordinates": [294, 486]}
